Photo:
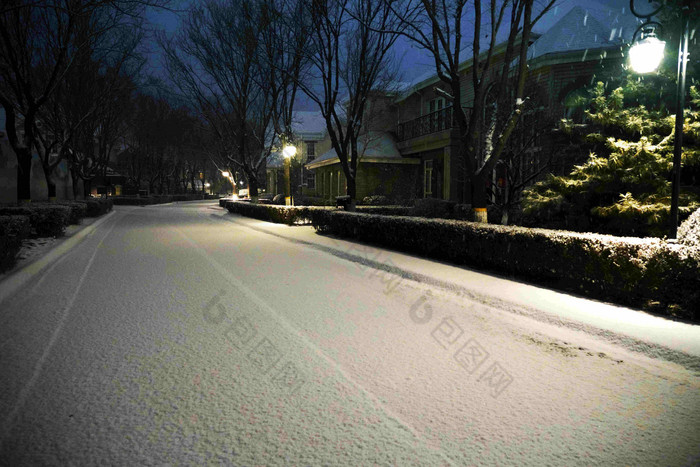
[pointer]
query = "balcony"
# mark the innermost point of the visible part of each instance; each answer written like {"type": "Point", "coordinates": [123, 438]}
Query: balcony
{"type": "Point", "coordinates": [430, 123]}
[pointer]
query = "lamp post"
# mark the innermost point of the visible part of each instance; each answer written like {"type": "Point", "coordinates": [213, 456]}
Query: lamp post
{"type": "Point", "coordinates": [288, 151]}
{"type": "Point", "coordinates": [645, 56]}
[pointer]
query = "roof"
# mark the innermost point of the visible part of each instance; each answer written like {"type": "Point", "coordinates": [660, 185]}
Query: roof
{"type": "Point", "coordinates": [579, 29]}
{"type": "Point", "coordinates": [374, 144]}
{"type": "Point", "coordinates": [308, 125]}
{"type": "Point", "coordinates": [601, 24]}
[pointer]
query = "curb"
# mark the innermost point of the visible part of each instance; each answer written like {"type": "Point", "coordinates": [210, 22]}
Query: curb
{"type": "Point", "coordinates": [19, 278]}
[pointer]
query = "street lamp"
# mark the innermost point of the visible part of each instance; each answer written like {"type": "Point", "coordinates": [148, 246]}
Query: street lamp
{"type": "Point", "coordinates": [288, 152]}
{"type": "Point", "coordinates": [645, 56]}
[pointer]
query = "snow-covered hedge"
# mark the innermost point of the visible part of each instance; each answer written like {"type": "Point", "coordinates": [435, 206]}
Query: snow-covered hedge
{"type": "Point", "coordinates": [289, 215]}
{"type": "Point", "coordinates": [47, 220]}
{"type": "Point", "coordinates": [634, 271]}
{"type": "Point", "coordinates": [689, 230]}
{"type": "Point", "coordinates": [13, 229]}
{"type": "Point", "coordinates": [98, 206]}
{"type": "Point", "coordinates": [78, 209]}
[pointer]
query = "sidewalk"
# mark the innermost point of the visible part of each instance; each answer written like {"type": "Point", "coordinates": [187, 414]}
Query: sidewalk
{"type": "Point", "coordinates": [44, 252]}
{"type": "Point", "coordinates": [635, 329]}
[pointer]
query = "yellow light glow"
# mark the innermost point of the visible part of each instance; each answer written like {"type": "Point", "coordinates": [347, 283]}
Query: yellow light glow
{"type": "Point", "coordinates": [289, 150]}
{"type": "Point", "coordinates": [225, 174]}
{"type": "Point", "coordinates": [646, 55]}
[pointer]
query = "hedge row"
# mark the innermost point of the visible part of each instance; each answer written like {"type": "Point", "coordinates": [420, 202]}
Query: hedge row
{"type": "Point", "coordinates": [98, 206]}
{"type": "Point", "coordinates": [289, 215]}
{"type": "Point", "coordinates": [158, 199]}
{"type": "Point", "coordinates": [13, 229]}
{"type": "Point", "coordinates": [632, 271]}
{"type": "Point", "coordinates": [47, 220]}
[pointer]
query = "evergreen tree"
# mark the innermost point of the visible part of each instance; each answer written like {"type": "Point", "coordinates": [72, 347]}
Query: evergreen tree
{"type": "Point", "coordinates": [624, 187]}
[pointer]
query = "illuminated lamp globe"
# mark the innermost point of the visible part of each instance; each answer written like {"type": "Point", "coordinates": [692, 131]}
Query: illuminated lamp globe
{"type": "Point", "coordinates": [646, 54]}
{"type": "Point", "coordinates": [289, 151]}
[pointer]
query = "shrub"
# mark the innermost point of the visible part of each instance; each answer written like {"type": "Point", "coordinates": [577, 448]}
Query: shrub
{"type": "Point", "coordinates": [13, 229]}
{"type": "Point", "coordinates": [289, 215]}
{"type": "Point", "coordinates": [689, 230]}
{"type": "Point", "coordinates": [634, 271]}
{"type": "Point", "coordinates": [46, 220]}
{"type": "Point", "coordinates": [433, 207]}
{"type": "Point", "coordinates": [312, 201]}
{"type": "Point", "coordinates": [386, 210]}
{"type": "Point", "coordinates": [78, 209]}
{"type": "Point", "coordinates": [376, 200]}
{"type": "Point", "coordinates": [98, 206]}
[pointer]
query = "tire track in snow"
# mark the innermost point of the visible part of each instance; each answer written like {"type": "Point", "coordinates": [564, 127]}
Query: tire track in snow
{"type": "Point", "coordinates": [24, 393]}
{"type": "Point", "coordinates": [252, 296]}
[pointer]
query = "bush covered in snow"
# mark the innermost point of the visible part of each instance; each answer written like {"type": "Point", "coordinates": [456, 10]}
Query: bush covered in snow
{"type": "Point", "coordinates": [13, 229]}
{"type": "Point", "coordinates": [78, 209]}
{"type": "Point", "coordinates": [376, 200]}
{"type": "Point", "coordinates": [98, 206]}
{"type": "Point", "coordinates": [689, 230]}
{"type": "Point", "coordinates": [289, 215]}
{"type": "Point", "coordinates": [628, 270]}
{"type": "Point", "coordinates": [47, 220]}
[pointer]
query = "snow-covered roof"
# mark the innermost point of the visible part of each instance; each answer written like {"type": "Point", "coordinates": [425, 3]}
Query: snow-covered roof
{"type": "Point", "coordinates": [374, 144]}
{"type": "Point", "coordinates": [308, 125]}
{"type": "Point", "coordinates": [579, 29]}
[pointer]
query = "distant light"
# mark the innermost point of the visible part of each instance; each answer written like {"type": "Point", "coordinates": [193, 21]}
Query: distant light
{"type": "Point", "coordinates": [646, 54]}
{"type": "Point", "coordinates": [241, 182]}
{"type": "Point", "coordinates": [225, 174]}
{"type": "Point", "coordinates": [207, 184]}
{"type": "Point", "coordinates": [289, 150]}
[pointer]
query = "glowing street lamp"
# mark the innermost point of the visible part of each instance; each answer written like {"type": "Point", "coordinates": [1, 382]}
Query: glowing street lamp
{"type": "Point", "coordinates": [288, 152]}
{"type": "Point", "coordinates": [645, 56]}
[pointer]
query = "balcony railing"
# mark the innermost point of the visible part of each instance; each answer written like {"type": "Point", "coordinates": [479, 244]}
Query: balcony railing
{"type": "Point", "coordinates": [431, 123]}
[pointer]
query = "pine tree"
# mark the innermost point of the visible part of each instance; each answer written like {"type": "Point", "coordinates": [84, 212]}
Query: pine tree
{"type": "Point", "coordinates": [624, 187]}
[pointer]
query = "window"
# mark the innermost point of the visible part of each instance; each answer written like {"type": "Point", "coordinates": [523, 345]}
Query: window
{"type": "Point", "coordinates": [428, 178]}
{"type": "Point", "coordinates": [311, 149]}
{"type": "Point", "coordinates": [436, 104]}
{"type": "Point", "coordinates": [311, 180]}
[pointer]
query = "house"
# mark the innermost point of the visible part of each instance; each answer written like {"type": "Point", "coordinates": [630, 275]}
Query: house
{"type": "Point", "coordinates": [381, 170]}
{"type": "Point", "coordinates": [583, 45]}
{"type": "Point", "coordinates": [309, 129]}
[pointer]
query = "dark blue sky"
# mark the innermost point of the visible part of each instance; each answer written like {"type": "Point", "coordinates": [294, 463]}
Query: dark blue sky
{"type": "Point", "coordinates": [414, 63]}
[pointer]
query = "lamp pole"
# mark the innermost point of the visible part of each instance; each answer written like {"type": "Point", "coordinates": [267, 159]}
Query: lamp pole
{"type": "Point", "coordinates": [640, 57]}
{"type": "Point", "coordinates": [288, 152]}
{"type": "Point", "coordinates": [678, 138]}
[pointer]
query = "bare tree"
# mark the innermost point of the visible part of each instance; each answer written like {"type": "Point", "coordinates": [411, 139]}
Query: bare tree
{"type": "Point", "coordinates": [37, 48]}
{"type": "Point", "coordinates": [440, 28]}
{"type": "Point", "coordinates": [215, 62]}
{"type": "Point", "coordinates": [349, 59]}
{"type": "Point", "coordinates": [92, 101]}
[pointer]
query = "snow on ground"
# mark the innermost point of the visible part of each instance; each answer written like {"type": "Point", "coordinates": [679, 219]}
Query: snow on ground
{"type": "Point", "coordinates": [183, 334]}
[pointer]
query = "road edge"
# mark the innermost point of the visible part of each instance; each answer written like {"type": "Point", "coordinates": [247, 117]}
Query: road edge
{"type": "Point", "coordinates": [17, 279]}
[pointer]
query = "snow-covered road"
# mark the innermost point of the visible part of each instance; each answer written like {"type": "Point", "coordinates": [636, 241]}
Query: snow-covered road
{"type": "Point", "coordinates": [182, 334]}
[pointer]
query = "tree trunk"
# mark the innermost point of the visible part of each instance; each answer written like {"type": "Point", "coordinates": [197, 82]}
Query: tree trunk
{"type": "Point", "coordinates": [252, 186]}
{"type": "Point", "coordinates": [352, 193]}
{"type": "Point", "coordinates": [24, 175]}
{"type": "Point", "coordinates": [75, 179]}
{"type": "Point", "coordinates": [478, 189]}
{"type": "Point", "coordinates": [87, 188]}
{"type": "Point", "coordinates": [50, 184]}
